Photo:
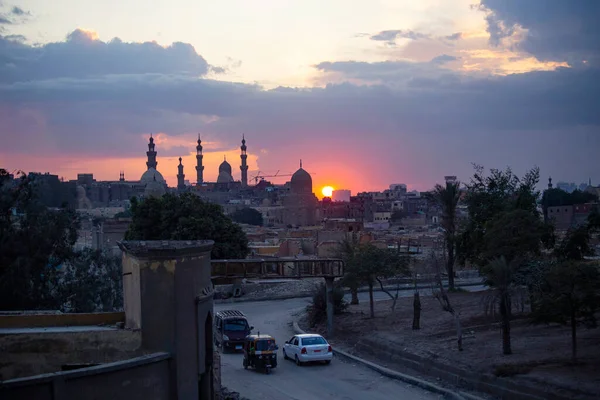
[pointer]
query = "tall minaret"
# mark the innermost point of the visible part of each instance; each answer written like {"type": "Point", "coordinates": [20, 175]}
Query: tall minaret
{"type": "Point", "coordinates": [244, 166]}
{"type": "Point", "coordinates": [199, 166]}
{"type": "Point", "coordinates": [550, 183]}
{"type": "Point", "coordinates": [180, 176]}
{"type": "Point", "coordinates": [151, 163]}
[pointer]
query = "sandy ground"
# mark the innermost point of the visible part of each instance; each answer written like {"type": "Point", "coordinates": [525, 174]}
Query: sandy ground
{"type": "Point", "coordinates": [544, 351]}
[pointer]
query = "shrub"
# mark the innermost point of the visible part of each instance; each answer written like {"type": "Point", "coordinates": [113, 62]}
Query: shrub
{"type": "Point", "coordinates": [317, 310]}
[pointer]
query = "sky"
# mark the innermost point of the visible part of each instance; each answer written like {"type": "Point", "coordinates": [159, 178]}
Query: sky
{"type": "Point", "coordinates": [366, 93]}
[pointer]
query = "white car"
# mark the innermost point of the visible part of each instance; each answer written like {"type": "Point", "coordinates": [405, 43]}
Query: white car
{"type": "Point", "coordinates": [306, 348]}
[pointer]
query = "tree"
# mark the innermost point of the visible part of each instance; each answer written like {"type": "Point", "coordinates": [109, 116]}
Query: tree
{"type": "Point", "coordinates": [91, 282]}
{"type": "Point", "coordinates": [373, 265]}
{"type": "Point", "coordinates": [34, 242]}
{"type": "Point", "coordinates": [513, 234]}
{"type": "Point", "coordinates": [318, 309]}
{"type": "Point", "coordinates": [248, 216]}
{"type": "Point", "coordinates": [347, 250]}
{"type": "Point", "coordinates": [187, 217]}
{"type": "Point", "coordinates": [490, 198]}
{"type": "Point", "coordinates": [447, 198]}
{"type": "Point", "coordinates": [437, 289]}
{"type": "Point", "coordinates": [575, 245]}
{"type": "Point", "coordinates": [570, 294]}
{"type": "Point", "coordinates": [500, 275]}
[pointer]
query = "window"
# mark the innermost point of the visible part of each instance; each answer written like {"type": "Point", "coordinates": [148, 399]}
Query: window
{"type": "Point", "coordinates": [238, 325]}
{"type": "Point", "coordinates": [311, 341]}
{"type": "Point", "coordinates": [264, 345]}
{"type": "Point", "coordinates": [295, 341]}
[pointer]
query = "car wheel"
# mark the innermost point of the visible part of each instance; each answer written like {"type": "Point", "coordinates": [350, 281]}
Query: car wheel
{"type": "Point", "coordinates": [327, 362]}
{"type": "Point", "coordinates": [285, 357]}
{"type": "Point", "coordinates": [298, 363]}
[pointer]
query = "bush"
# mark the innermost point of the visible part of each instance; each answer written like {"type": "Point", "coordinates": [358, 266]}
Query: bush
{"type": "Point", "coordinates": [317, 311]}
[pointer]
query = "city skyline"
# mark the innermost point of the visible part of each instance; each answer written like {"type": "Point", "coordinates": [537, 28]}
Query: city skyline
{"type": "Point", "coordinates": [366, 95]}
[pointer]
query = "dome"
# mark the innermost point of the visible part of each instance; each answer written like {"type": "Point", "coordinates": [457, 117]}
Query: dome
{"type": "Point", "coordinates": [301, 182]}
{"type": "Point", "coordinates": [225, 167]}
{"type": "Point", "coordinates": [151, 175]}
{"type": "Point", "coordinates": [155, 189]}
{"type": "Point", "coordinates": [224, 177]}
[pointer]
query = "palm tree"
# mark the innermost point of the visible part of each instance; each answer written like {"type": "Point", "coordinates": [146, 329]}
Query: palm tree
{"type": "Point", "coordinates": [447, 197]}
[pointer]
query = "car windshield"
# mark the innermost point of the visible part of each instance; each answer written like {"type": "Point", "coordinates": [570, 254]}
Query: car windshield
{"type": "Point", "coordinates": [236, 325]}
{"type": "Point", "coordinates": [310, 341]}
{"type": "Point", "coordinates": [265, 345]}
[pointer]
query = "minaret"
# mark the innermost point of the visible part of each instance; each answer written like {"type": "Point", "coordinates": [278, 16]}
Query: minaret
{"type": "Point", "coordinates": [151, 163]}
{"type": "Point", "coordinates": [180, 176]}
{"type": "Point", "coordinates": [199, 166]}
{"type": "Point", "coordinates": [244, 166]}
{"type": "Point", "coordinates": [550, 183]}
{"type": "Point", "coordinates": [122, 176]}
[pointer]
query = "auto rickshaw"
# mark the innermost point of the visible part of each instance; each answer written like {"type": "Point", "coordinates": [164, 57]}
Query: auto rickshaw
{"type": "Point", "coordinates": [260, 352]}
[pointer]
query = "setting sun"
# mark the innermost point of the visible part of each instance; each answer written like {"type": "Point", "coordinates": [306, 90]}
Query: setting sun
{"type": "Point", "coordinates": [327, 191]}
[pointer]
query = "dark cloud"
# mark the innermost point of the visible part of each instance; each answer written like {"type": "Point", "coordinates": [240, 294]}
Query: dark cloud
{"type": "Point", "coordinates": [16, 15]}
{"type": "Point", "coordinates": [435, 119]}
{"type": "Point", "coordinates": [444, 58]}
{"type": "Point", "coordinates": [19, 12]}
{"type": "Point", "coordinates": [395, 73]}
{"type": "Point", "coordinates": [454, 36]}
{"type": "Point", "coordinates": [557, 29]}
{"type": "Point", "coordinates": [390, 36]}
{"type": "Point", "coordinates": [83, 56]}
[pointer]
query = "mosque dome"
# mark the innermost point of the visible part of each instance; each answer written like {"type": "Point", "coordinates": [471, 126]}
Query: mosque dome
{"type": "Point", "coordinates": [224, 176]}
{"type": "Point", "coordinates": [152, 175]}
{"type": "Point", "coordinates": [301, 181]}
{"type": "Point", "coordinates": [225, 167]}
{"type": "Point", "coordinates": [155, 189]}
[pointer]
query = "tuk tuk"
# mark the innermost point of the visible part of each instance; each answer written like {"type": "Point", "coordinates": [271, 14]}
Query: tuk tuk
{"type": "Point", "coordinates": [260, 352]}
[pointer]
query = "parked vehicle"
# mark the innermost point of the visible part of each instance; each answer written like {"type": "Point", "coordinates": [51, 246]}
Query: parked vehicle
{"type": "Point", "coordinates": [231, 329]}
{"type": "Point", "coordinates": [260, 352]}
{"type": "Point", "coordinates": [306, 348]}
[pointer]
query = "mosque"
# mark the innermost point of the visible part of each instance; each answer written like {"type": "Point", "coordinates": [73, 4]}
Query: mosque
{"type": "Point", "coordinates": [294, 202]}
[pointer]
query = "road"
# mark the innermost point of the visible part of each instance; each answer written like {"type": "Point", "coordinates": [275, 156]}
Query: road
{"type": "Point", "coordinates": [340, 380]}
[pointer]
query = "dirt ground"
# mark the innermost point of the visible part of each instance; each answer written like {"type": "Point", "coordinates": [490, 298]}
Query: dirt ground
{"type": "Point", "coordinates": [540, 352]}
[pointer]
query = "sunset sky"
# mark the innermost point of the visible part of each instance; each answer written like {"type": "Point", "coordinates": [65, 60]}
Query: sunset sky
{"type": "Point", "coordinates": [366, 93]}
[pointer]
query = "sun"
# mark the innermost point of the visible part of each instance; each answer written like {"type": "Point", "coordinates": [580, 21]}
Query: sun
{"type": "Point", "coordinates": [327, 191]}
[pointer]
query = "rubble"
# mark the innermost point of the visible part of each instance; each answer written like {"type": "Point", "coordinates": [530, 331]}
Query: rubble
{"type": "Point", "coordinates": [226, 394]}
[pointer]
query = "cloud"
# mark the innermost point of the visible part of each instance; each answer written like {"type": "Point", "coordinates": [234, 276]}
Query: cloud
{"type": "Point", "coordinates": [454, 36]}
{"type": "Point", "coordinates": [444, 58]}
{"type": "Point", "coordinates": [395, 73]}
{"type": "Point", "coordinates": [390, 36]}
{"type": "Point", "coordinates": [19, 12]}
{"type": "Point", "coordinates": [16, 15]}
{"type": "Point", "coordinates": [554, 29]}
{"type": "Point", "coordinates": [414, 121]}
{"type": "Point", "coordinates": [90, 57]}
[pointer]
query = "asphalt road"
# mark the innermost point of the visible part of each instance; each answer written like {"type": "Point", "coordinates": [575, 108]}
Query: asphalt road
{"type": "Point", "coordinates": [340, 380]}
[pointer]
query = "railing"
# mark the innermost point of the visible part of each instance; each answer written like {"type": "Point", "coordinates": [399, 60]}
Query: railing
{"type": "Point", "coordinates": [277, 268]}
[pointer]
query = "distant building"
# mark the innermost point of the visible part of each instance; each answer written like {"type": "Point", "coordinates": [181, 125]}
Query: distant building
{"type": "Point", "coordinates": [341, 195]}
{"type": "Point", "coordinates": [53, 192]}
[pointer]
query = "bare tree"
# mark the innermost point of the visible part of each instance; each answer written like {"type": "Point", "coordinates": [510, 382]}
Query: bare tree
{"type": "Point", "coordinates": [398, 265]}
{"type": "Point", "coordinates": [440, 294]}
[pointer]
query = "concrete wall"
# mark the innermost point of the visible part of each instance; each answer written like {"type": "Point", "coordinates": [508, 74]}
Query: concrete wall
{"type": "Point", "coordinates": [46, 320]}
{"type": "Point", "coordinates": [31, 352]}
{"type": "Point", "coordinates": [168, 294]}
{"type": "Point", "coordinates": [146, 377]}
